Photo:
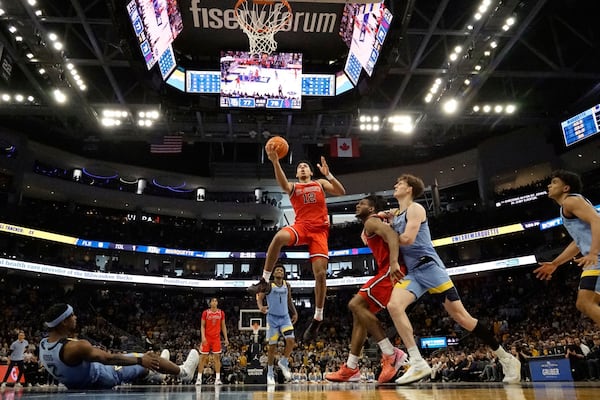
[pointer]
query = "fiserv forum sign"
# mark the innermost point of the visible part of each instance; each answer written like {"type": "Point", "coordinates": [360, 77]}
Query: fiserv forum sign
{"type": "Point", "coordinates": [210, 26]}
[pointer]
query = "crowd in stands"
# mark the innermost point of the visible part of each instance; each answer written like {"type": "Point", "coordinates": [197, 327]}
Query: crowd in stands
{"type": "Point", "coordinates": [530, 317]}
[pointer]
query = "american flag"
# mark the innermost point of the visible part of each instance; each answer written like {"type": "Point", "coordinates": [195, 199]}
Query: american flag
{"type": "Point", "coordinates": [168, 144]}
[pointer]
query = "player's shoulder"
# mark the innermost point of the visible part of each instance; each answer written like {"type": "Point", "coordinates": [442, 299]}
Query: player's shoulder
{"type": "Point", "coordinates": [374, 219]}
{"type": "Point", "coordinates": [415, 208]}
{"type": "Point", "coordinates": [575, 200]}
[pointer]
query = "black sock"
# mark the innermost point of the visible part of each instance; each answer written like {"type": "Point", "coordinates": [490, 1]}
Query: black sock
{"type": "Point", "coordinates": [486, 336]}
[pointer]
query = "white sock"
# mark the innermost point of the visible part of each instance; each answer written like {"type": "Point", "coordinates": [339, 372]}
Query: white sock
{"type": "Point", "coordinates": [218, 375]}
{"type": "Point", "coordinates": [318, 314]}
{"type": "Point", "coordinates": [352, 362]}
{"type": "Point", "coordinates": [199, 379]}
{"type": "Point", "coordinates": [386, 347]}
{"type": "Point", "coordinates": [414, 354]}
{"type": "Point", "coordinates": [266, 275]}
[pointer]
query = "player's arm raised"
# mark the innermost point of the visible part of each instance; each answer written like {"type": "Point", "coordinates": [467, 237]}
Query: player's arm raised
{"type": "Point", "coordinates": [331, 184]}
{"type": "Point", "coordinates": [282, 180]}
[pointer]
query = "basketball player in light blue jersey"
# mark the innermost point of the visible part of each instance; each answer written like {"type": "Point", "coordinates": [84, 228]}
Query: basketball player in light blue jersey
{"type": "Point", "coordinates": [78, 365]}
{"type": "Point", "coordinates": [278, 309]}
{"type": "Point", "coordinates": [427, 274]}
{"type": "Point", "coordinates": [582, 221]}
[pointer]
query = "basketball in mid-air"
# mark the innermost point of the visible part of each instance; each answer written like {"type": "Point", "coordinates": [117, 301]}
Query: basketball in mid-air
{"type": "Point", "coordinates": [280, 144]}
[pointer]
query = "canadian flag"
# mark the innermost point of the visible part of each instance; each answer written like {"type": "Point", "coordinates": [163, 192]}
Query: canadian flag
{"type": "Point", "coordinates": [344, 147]}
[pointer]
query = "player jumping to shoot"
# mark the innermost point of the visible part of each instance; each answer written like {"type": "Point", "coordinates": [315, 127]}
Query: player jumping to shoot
{"type": "Point", "coordinates": [311, 227]}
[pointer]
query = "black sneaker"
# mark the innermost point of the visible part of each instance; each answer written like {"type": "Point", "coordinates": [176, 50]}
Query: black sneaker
{"type": "Point", "coordinates": [311, 332]}
{"type": "Point", "coordinates": [261, 287]}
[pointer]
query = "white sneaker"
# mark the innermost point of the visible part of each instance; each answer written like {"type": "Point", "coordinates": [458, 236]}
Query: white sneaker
{"type": "Point", "coordinates": [417, 371]}
{"type": "Point", "coordinates": [218, 382]}
{"type": "Point", "coordinates": [3, 386]}
{"type": "Point", "coordinates": [285, 369]}
{"type": "Point", "coordinates": [198, 380]}
{"type": "Point", "coordinates": [270, 379]}
{"type": "Point", "coordinates": [189, 367]}
{"type": "Point", "coordinates": [18, 385]}
{"type": "Point", "coordinates": [511, 367]}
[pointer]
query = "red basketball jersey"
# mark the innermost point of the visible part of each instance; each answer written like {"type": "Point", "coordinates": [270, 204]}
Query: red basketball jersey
{"type": "Point", "coordinates": [381, 251]}
{"type": "Point", "coordinates": [308, 201]}
{"type": "Point", "coordinates": [212, 323]}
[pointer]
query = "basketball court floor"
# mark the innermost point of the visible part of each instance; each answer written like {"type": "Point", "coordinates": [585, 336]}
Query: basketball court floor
{"type": "Point", "coordinates": [327, 391]}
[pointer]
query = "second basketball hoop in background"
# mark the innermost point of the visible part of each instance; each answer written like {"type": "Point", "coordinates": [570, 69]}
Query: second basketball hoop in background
{"type": "Point", "coordinates": [281, 145]}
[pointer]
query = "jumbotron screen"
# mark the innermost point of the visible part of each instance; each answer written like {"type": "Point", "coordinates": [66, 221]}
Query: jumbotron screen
{"type": "Point", "coordinates": [266, 81]}
{"type": "Point", "coordinates": [156, 24]}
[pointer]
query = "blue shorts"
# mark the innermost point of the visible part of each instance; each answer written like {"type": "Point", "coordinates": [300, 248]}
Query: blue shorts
{"type": "Point", "coordinates": [279, 324]}
{"type": "Point", "coordinates": [108, 376]}
{"type": "Point", "coordinates": [431, 278]}
{"type": "Point", "coordinates": [589, 280]}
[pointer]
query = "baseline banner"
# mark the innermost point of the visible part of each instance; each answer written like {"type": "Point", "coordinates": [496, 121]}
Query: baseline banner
{"type": "Point", "coordinates": [545, 369]}
{"type": "Point", "coordinates": [12, 378]}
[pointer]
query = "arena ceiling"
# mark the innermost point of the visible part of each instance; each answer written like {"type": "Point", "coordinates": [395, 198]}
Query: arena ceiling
{"type": "Point", "coordinates": [546, 64]}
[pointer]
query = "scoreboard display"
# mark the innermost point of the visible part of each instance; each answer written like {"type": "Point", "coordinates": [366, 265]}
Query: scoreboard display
{"type": "Point", "coordinates": [203, 81]}
{"type": "Point", "coordinates": [167, 62]}
{"type": "Point", "coordinates": [318, 85]}
{"type": "Point", "coordinates": [581, 126]}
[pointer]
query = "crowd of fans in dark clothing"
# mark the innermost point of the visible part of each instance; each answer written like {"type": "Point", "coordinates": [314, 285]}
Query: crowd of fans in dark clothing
{"type": "Point", "coordinates": [531, 317]}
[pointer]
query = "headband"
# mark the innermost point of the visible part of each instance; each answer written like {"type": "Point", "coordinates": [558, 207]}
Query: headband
{"type": "Point", "coordinates": [61, 317]}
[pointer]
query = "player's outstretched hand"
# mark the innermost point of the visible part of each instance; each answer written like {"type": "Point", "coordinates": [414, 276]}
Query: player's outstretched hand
{"type": "Point", "coordinates": [271, 150]}
{"type": "Point", "coordinates": [544, 272]}
{"type": "Point", "coordinates": [323, 167]}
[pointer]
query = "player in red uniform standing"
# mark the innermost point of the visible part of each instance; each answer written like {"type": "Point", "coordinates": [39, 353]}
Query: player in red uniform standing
{"type": "Point", "coordinates": [311, 227]}
{"type": "Point", "coordinates": [211, 326]}
{"type": "Point", "coordinates": [373, 296]}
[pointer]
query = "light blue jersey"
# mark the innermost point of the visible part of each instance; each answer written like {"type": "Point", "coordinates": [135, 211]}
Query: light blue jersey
{"type": "Point", "coordinates": [416, 254]}
{"type": "Point", "coordinates": [580, 231]}
{"type": "Point", "coordinates": [426, 270]}
{"type": "Point", "coordinates": [278, 316]}
{"type": "Point", "coordinates": [277, 299]}
{"type": "Point", "coordinates": [86, 375]}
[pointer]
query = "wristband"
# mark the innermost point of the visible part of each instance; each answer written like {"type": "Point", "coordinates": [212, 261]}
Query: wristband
{"type": "Point", "coordinates": [139, 360]}
{"type": "Point", "coordinates": [330, 176]}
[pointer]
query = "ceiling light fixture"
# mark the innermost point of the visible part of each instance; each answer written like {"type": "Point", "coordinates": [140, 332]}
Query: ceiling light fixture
{"type": "Point", "coordinates": [59, 96]}
{"type": "Point", "coordinates": [450, 106]}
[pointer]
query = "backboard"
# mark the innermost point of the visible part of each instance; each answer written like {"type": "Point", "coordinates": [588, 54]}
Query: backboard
{"type": "Point", "coordinates": [249, 317]}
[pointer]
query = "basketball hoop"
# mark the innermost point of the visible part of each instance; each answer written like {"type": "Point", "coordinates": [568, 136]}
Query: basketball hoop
{"type": "Point", "coordinates": [261, 20]}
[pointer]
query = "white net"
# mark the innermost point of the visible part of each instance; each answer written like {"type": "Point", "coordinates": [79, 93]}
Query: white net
{"type": "Point", "coordinates": [261, 20]}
